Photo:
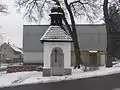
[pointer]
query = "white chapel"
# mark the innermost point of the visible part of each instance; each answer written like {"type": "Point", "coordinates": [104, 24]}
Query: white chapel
{"type": "Point", "coordinates": [57, 46]}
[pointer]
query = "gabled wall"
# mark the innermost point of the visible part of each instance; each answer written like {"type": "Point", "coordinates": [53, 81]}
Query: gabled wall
{"type": "Point", "coordinates": [8, 53]}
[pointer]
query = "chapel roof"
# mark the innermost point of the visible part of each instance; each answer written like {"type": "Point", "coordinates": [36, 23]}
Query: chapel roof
{"type": "Point", "coordinates": [56, 33]}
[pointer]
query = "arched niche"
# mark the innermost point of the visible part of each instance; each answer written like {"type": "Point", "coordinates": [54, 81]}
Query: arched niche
{"type": "Point", "coordinates": [57, 61]}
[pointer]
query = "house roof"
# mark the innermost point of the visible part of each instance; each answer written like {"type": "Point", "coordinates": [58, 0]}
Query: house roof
{"type": "Point", "coordinates": [15, 48]}
{"type": "Point", "coordinates": [90, 37]}
{"type": "Point", "coordinates": [55, 33]}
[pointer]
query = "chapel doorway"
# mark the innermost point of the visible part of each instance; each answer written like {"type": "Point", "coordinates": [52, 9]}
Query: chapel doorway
{"type": "Point", "coordinates": [57, 61]}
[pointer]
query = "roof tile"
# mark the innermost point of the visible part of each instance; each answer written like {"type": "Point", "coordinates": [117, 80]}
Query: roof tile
{"type": "Point", "coordinates": [56, 33]}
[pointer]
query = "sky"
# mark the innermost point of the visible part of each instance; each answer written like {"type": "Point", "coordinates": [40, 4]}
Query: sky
{"type": "Point", "coordinates": [11, 25]}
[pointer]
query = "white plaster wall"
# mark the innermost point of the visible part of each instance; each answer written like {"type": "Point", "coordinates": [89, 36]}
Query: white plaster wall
{"type": "Point", "coordinates": [65, 46]}
{"type": "Point", "coordinates": [47, 53]}
{"type": "Point", "coordinates": [102, 59]}
{"type": "Point", "coordinates": [33, 57]}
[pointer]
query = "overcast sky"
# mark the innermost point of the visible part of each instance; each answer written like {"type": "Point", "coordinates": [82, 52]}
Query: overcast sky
{"type": "Point", "coordinates": [11, 25]}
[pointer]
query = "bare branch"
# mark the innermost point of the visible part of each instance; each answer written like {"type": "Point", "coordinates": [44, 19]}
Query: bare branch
{"type": "Point", "coordinates": [89, 9]}
{"type": "Point", "coordinates": [34, 9]}
{"type": "Point", "coordinates": [78, 1]}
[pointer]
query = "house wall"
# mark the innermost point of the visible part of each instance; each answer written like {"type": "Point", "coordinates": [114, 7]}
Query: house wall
{"type": "Point", "coordinates": [65, 46]}
{"type": "Point", "coordinates": [18, 56]}
{"type": "Point", "coordinates": [33, 57]}
{"type": "Point", "coordinates": [85, 56]}
{"type": "Point", "coordinates": [102, 58]}
{"type": "Point", "coordinates": [37, 57]}
{"type": "Point", "coordinates": [7, 51]}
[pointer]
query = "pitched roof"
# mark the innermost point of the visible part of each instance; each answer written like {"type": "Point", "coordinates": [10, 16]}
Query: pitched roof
{"type": "Point", "coordinates": [90, 37]}
{"type": "Point", "coordinates": [56, 33]}
{"type": "Point", "coordinates": [15, 48]}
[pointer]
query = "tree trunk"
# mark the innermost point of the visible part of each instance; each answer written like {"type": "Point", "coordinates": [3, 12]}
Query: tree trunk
{"type": "Point", "coordinates": [77, 52]}
{"type": "Point", "coordinates": [72, 32]}
{"type": "Point", "coordinates": [74, 36]}
{"type": "Point", "coordinates": [109, 36]}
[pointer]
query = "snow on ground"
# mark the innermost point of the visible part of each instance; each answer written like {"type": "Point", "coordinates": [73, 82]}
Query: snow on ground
{"type": "Point", "coordinates": [3, 67]}
{"type": "Point", "coordinates": [19, 78]}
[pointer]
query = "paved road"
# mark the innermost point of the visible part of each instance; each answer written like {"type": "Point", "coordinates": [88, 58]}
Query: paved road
{"type": "Point", "coordinates": [110, 82]}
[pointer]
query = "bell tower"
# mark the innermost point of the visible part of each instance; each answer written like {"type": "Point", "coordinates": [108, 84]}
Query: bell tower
{"type": "Point", "coordinates": [56, 16]}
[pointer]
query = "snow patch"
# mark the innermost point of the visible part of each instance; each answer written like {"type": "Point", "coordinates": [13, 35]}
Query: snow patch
{"type": "Point", "coordinates": [20, 78]}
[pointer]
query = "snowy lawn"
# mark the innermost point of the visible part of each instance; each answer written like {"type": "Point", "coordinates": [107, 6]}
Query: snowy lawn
{"type": "Point", "coordinates": [20, 78]}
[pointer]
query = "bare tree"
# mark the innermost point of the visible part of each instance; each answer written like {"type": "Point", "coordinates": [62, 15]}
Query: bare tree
{"type": "Point", "coordinates": [109, 28]}
{"type": "Point", "coordinates": [3, 10]}
{"type": "Point", "coordinates": [72, 9]}
{"type": "Point", "coordinates": [114, 15]}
